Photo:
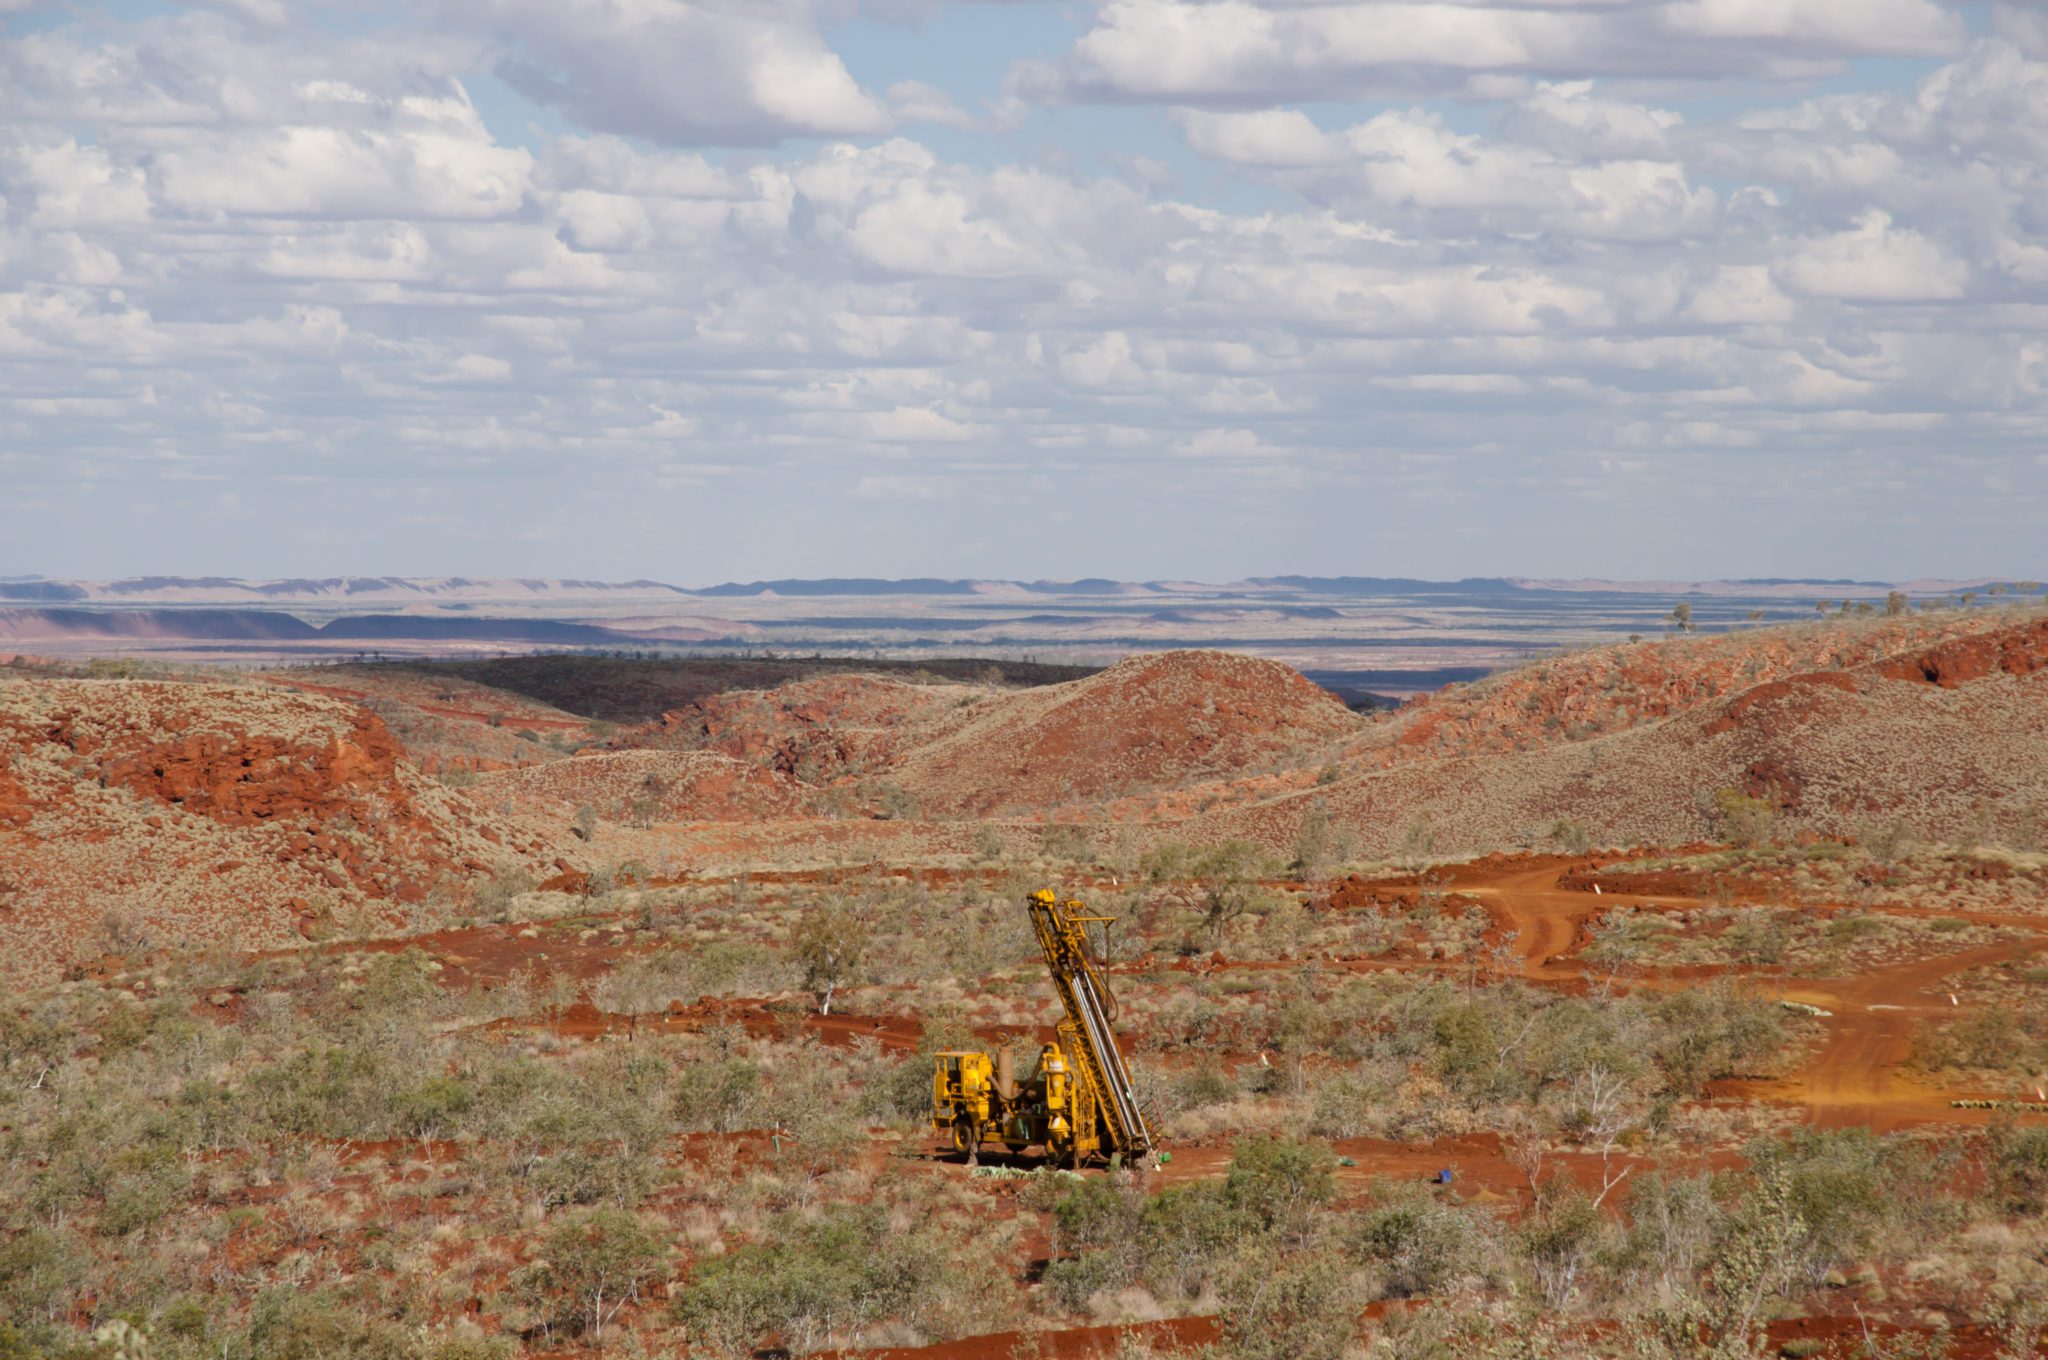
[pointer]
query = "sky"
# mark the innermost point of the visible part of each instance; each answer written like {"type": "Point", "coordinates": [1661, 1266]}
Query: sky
{"type": "Point", "coordinates": [701, 290]}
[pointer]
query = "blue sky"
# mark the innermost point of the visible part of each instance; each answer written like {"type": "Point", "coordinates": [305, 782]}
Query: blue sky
{"type": "Point", "coordinates": [705, 289]}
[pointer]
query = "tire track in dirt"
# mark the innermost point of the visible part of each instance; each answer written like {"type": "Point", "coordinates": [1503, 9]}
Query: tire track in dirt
{"type": "Point", "coordinates": [1545, 920]}
{"type": "Point", "coordinates": [1856, 1078]}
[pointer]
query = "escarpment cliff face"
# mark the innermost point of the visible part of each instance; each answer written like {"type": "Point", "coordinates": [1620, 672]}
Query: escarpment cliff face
{"type": "Point", "coordinates": [140, 813]}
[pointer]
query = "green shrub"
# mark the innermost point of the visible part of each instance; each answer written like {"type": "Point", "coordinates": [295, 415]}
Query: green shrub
{"type": "Point", "coordinates": [1345, 1107]}
{"type": "Point", "coordinates": [1298, 1308]}
{"type": "Point", "coordinates": [1426, 1246]}
{"type": "Point", "coordinates": [591, 1265]}
{"type": "Point", "coordinates": [1745, 820]}
{"type": "Point", "coordinates": [1186, 1231]}
{"type": "Point", "coordinates": [1074, 1280]}
{"type": "Point", "coordinates": [716, 1094]}
{"type": "Point", "coordinates": [2019, 1166]}
{"type": "Point", "coordinates": [41, 1271]}
{"type": "Point", "coordinates": [467, 1344]}
{"type": "Point", "coordinates": [1280, 1182]}
{"type": "Point", "coordinates": [432, 1107]}
{"type": "Point", "coordinates": [293, 1324]}
{"type": "Point", "coordinates": [816, 1279]}
{"type": "Point", "coordinates": [1559, 1239]}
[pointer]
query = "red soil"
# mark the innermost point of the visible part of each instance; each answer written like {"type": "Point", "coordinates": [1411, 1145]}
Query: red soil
{"type": "Point", "coordinates": [816, 729]}
{"type": "Point", "coordinates": [231, 814]}
{"type": "Point", "coordinates": [1146, 723]}
{"type": "Point", "coordinates": [1618, 688]}
{"type": "Point", "coordinates": [1071, 1343]}
{"type": "Point", "coordinates": [666, 786]}
{"type": "Point", "coordinates": [237, 777]}
{"type": "Point", "coordinates": [2018, 651]}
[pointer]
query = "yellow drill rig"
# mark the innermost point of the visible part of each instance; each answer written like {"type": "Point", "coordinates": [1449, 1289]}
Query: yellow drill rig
{"type": "Point", "coordinates": [1079, 1104]}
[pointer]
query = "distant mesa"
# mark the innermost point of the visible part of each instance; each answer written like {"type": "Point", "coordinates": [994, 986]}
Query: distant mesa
{"type": "Point", "coordinates": [227, 590]}
{"type": "Point", "coordinates": [849, 586]}
{"type": "Point", "coordinates": [52, 625]}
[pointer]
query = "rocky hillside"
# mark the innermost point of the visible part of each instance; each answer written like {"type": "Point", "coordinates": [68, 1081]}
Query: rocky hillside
{"type": "Point", "coordinates": [1946, 735]}
{"type": "Point", "coordinates": [136, 814]}
{"type": "Point", "coordinates": [1150, 722]}
{"type": "Point", "coordinates": [653, 786]}
{"type": "Point", "coordinates": [817, 730]}
{"type": "Point", "coordinates": [1611, 689]}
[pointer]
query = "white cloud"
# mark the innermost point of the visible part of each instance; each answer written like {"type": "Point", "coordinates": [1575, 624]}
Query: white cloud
{"type": "Point", "coordinates": [1901, 27]}
{"type": "Point", "coordinates": [1226, 444]}
{"type": "Point", "coordinates": [1875, 261]}
{"type": "Point", "coordinates": [317, 255]}
{"type": "Point", "coordinates": [916, 424]}
{"type": "Point", "coordinates": [391, 251]}
{"type": "Point", "coordinates": [914, 101]}
{"type": "Point", "coordinates": [1740, 295]}
{"type": "Point", "coordinates": [2023, 24]}
{"type": "Point", "coordinates": [1569, 118]}
{"type": "Point", "coordinates": [1411, 160]}
{"type": "Point", "coordinates": [81, 186]}
{"type": "Point", "coordinates": [1196, 51]}
{"type": "Point", "coordinates": [446, 171]}
{"type": "Point", "coordinates": [599, 221]}
{"type": "Point", "coordinates": [681, 71]}
{"type": "Point", "coordinates": [1266, 137]}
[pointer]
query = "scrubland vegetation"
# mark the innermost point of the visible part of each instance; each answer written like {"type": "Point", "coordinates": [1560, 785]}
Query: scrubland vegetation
{"type": "Point", "coordinates": [424, 1038]}
{"type": "Point", "coordinates": [453, 1152]}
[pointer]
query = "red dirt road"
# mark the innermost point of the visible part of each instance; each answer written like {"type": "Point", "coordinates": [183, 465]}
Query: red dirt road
{"type": "Point", "coordinates": [1855, 1079]}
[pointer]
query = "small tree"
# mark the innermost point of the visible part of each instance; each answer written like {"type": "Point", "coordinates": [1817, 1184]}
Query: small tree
{"type": "Point", "coordinates": [1315, 846]}
{"type": "Point", "coordinates": [1228, 875]}
{"type": "Point", "coordinates": [1281, 1184]}
{"type": "Point", "coordinates": [1895, 604]}
{"type": "Point", "coordinates": [1682, 613]}
{"type": "Point", "coordinates": [593, 1264]}
{"type": "Point", "coordinates": [1745, 820]}
{"type": "Point", "coordinates": [831, 943]}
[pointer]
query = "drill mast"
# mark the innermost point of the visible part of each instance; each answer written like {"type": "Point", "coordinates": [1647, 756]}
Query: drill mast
{"type": "Point", "coordinates": [1080, 1102]}
{"type": "Point", "coordinates": [1063, 935]}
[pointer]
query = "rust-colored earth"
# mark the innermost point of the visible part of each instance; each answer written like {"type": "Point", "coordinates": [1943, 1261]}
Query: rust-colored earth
{"type": "Point", "coordinates": [262, 816]}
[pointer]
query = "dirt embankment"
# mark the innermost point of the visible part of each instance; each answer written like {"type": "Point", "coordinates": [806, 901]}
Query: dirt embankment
{"type": "Point", "coordinates": [136, 815]}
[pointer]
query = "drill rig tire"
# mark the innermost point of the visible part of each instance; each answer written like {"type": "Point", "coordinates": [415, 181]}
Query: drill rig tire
{"type": "Point", "coordinates": [967, 1138]}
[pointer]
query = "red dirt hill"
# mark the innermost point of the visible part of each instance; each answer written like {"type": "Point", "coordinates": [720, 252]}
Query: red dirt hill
{"type": "Point", "coordinates": [1146, 723]}
{"type": "Point", "coordinates": [816, 730]}
{"type": "Point", "coordinates": [1605, 690]}
{"type": "Point", "coordinates": [136, 811]}
{"type": "Point", "coordinates": [444, 721]}
{"type": "Point", "coordinates": [1948, 737]}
